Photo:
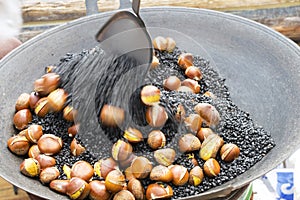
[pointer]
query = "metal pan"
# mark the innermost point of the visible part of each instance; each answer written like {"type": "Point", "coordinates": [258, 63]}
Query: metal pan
{"type": "Point", "coordinates": [262, 69]}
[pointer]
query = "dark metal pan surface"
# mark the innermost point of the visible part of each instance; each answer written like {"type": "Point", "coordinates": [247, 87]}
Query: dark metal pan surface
{"type": "Point", "coordinates": [261, 67]}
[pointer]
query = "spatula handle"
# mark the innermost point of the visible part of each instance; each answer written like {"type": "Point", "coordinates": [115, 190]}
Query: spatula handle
{"type": "Point", "coordinates": [136, 6]}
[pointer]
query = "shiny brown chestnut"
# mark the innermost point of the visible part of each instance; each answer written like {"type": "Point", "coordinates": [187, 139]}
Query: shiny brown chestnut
{"type": "Point", "coordinates": [69, 113]}
{"type": "Point", "coordinates": [136, 188]}
{"type": "Point", "coordinates": [73, 130]}
{"type": "Point", "coordinates": [22, 118]}
{"type": "Point", "coordinates": [161, 173]}
{"type": "Point", "coordinates": [141, 167]}
{"type": "Point", "coordinates": [165, 156]}
{"type": "Point", "coordinates": [57, 99]}
{"type": "Point", "coordinates": [203, 133]}
{"type": "Point", "coordinates": [193, 122]}
{"type": "Point", "coordinates": [133, 135]}
{"type": "Point", "coordinates": [156, 139]}
{"type": "Point", "coordinates": [78, 188]}
{"type": "Point", "coordinates": [188, 143]}
{"type": "Point", "coordinates": [30, 167]}
{"type": "Point", "coordinates": [124, 195]}
{"type": "Point", "coordinates": [34, 151]}
{"type": "Point", "coordinates": [33, 99]}
{"type": "Point", "coordinates": [194, 85]}
{"type": "Point", "coordinates": [19, 145]}
{"type": "Point", "coordinates": [211, 146]}
{"type": "Point", "coordinates": [156, 116]}
{"type": "Point", "coordinates": [22, 101]}
{"type": "Point", "coordinates": [121, 150]}
{"type": "Point", "coordinates": [112, 115]}
{"type": "Point", "coordinates": [115, 181]}
{"type": "Point", "coordinates": [34, 133]}
{"type": "Point", "coordinates": [172, 83]}
{"type": "Point", "coordinates": [158, 191]}
{"type": "Point", "coordinates": [49, 174]}
{"type": "Point", "coordinates": [104, 166]}
{"type": "Point", "coordinates": [208, 113]}
{"type": "Point", "coordinates": [50, 144]}
{"type": "Point", "coordinates": [83, 170]}
{"type": "Point", "coordinates": [193, 72]}
{"type": "Point", "coordinates": [180, 174]}
{"type": "Point", "coordinates": [185, 60]}
{"type": "Point", "coordinates": [160, 43]}
{"type": "Point", "coordinates": [98, 191]}
{"type": "Point", "coordinates": [229, 152]}
{"type": "Point", "coordinates": [45, 161]}
{"type": "Point", "coordinates": [59, 186]}
{"type": "Point", "coordinates": [196, 176]}
{"type": "Point", "coordinates": [211, 167]}
{"type": "Point", "coordinates": [150, 95]}
{"type": "Point", "coordinates": [46, 84]}
{"type": "Point", "coordinates": [42, 107]}
{"type": "Point", "coordinates": [76, 148]}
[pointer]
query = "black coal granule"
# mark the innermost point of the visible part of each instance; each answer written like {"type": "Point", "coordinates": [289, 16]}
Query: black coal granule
{"type": "Point", "coordinates": [236, 126]}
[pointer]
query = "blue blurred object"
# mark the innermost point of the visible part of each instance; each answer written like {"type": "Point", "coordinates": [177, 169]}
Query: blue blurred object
{"type": "Point", "coordinates": [285, 185]}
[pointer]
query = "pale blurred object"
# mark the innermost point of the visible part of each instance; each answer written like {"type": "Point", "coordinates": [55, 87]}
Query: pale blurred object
{"type": "Point", "coordinates": [10, 25]}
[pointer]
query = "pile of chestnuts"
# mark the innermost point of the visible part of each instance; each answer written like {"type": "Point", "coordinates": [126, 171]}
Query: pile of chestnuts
{"type": "Point", "coordinates": [122, 172]}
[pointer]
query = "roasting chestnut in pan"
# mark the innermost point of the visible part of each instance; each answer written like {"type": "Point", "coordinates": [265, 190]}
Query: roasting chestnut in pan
{"type": "Point", "coordinates": [121, 150]}
{"type": "Point", "coordinates": [159, 191]}
{"type": "Point", "coordinates": [156, 139]}
{"type": "Point", "coordinates": [229, 152]}
{"type": "Point", "coordinates": [83, 170]}
{"type": "Point", "coordinates": [98, 191]}
{"type": "Point", "coordinates": [104, 166]}
{"type": "Point", "coordinates": [141, 167]}
{"type": "Point", "coordinates": [78, 188]}
{"type": "Point", "coordinates": [150, 95]}
{"type": "Point", "coordinates": [22, 101]}
{"type": "Point", "coordinates": [22, 118]}
{"type": "Point", "coordinates": [115, 181]}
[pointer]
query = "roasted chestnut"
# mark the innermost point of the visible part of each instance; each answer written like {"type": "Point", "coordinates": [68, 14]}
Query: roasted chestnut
{"type": "Point", "coordinates": [126, 163]}
{"type": "Point", "coordinates": [76, 148]}
{"type": "Point", "coordinates": [30, 167]}
{"type": "Point", "coordinates": [141, 167]}
{"type": "Point", "coordinates": [115, 181]}
{"type": "Point", "coordinates": [193, 72]}
{"type": "Point", "coordinates": [196, 176]}
{"type": "Point", "coordinates": [45, 161]}
{"type": "Point", "coordinates": [172, 83]}
{"type": "Point", "coordinates": [83, 170]}
{"type": "Point", "coordinates": [69, 113]}
{"type": "Point", "coordinates": [59, 186]}
{"type": "Point", "coordinates": [22, 118]}
{"type": "Point", "coordinates": [155, 62]}
{"type": "Point", "coordinates": [137, 189]}
{"type": "Point", "coordinates": [185, 89]}
{"type": "Point", "coordinates": [19, 145]}
{"type": "Point", "coordinates": [112, 116]}
{"type": "Point", "coordinates": [159, 191]}
{"type": "Point", "coordinates": [156, 116]}
{"type": "Point", "coordinates": [185, 60]}
{"type": "Point", "coordinates": [203, 133]}
{"type": "Point", "coordinates": [150, 95]}
{"type": "Point", "coordinates": [57, 99]}
{"type": "Point", "coordinates": [208, 113]}
{"type": "Point", "coordinates": [46, 84]}
{"type": "Point", "coordinates": [33, 99]}
{"type": "Point", "coordinates": [22, 102]}
{"type": "Point", "coordinates": [156, 139]}
{"type": "Point", "coordinates": [67, 171]}
{"type": "Point", "coordinates": [98, 191]}
{"type": "Point", "coordinates": [50, 144]}
{"type": "Point", "coordinates": [34, 132]}
{"type": "Point", "coordinates": [49, 174]}
{"type": "Point", "coordinates": [121, 150]}
{"type": "Point", "coordinates": [104, 166]}
{"type": "Point", "coordinates": [160, 43]}
{"type": "Point", "coordinates": [78, 188]}
{"type": "Point", "coordinates": [180, 174]}
{"type": "Point", "coordinates": [73, 130]}
{"type": "Point", "coordinates": [194, 85]}
{"type": "Point", "coordinates": [211, 167]}
{"type": "Point", "coordinates": [193, 122]}
{"type": "Point", "coordinates": [188, 143]}
{"type": "Point", "coordinates": [229, 152]}
{"type": "Point", "coordinates": [42, 107]}
{"type": "Point", "coordinates": [34, 151]}
{"type": "Point", "coordinates": [124, 195]}
{"type": "Point", "coordinates": [133, 135]}
{"type": "Point", "coordinates": [161, 173]}
{"type": "Point", "coordinates": [171, 44]}
{"type": "Point", "coordinates": [211, 146]}
{"type": "Point", "coordinates": [165, 156]}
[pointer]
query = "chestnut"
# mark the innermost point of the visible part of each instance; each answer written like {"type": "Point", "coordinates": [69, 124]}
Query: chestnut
{"type": "Point", "coordinates": [22, 118]}
{"type": "Point", "coordinates": [203, 133]}
{"type": "Point", "coordinates": [171, 44]}
{"type": "Point", "coordinates": [133, 135]}
{"type": "Point", "coordinates": [104, 166]}
{"type": "Point", "coordinates": [161, 173]}
{"type": "Point", "coordinates": [211, 146]}
{"type": "Point", "coordinates": [188, 143]}
{"type": "Point", "coordinates": [196, 176]}
{"type": "Point", "coordinates": [69, 113]}
{"type": "Point", "coordinates": [165, 156]}
{"type": "Point", "coordinates": [33, 99]}
{"type": "Point", "coordinates": [156, 139]}
{"type": "Point", "coordinates": [98, 191]}
{"type": "Point", "coordinates": [34, 151]}
{"type": "Point", "coordinates": [121, 150]}
{"type": "Point", "coordinates": [180, 113]}
{"type": "Point", "coordinates": [208, 113]}
{"type": "Point", "coordinates": [155, 62]}
{"type": "Point", "coordinates": [57, 99]}
{"type": "Point", "coordinates": [46, 84]}
{"type": "Point", "coordinates": [115, 181]}
{"type": "Point", "coordinates": [193, 72]}
{"type": "Point", "coordinates": [172, 83]}
{"type": "Point", "coordinates": [19, 145]}
{"type": "Point", "coordinates": [229, 152]}
{"type": "Point", "coordinates": [150, 95]}
{"type": "Point", "coordinates": [193, 122]}
{"type": "Point", "coordinates": [160, 43]}
{"type": "Point", "coordinates": [194, 85]}
{"type": "Point", "coordinates": [112, 116]}
{"type": "Point", "coordinates": [185, 60]}
{"type": "Point", "coordinates": [45, 161]}
{"type": "Point", "coordinates": [73, 130]}
{"type": "Point", "coordinates": [76, 148]}
{"type": "Point", "coordinates": [180, 174]}
{"type": "Point", "coordinates": [22, 102]}
{"type": "Point", "coordinates": [156, 116]}
{"type": "Point", "coordinates": [59, 186]}
{"type": "Point", "coordinates": [141, 167]}
{"type": "Point", "coordinates": [124, 195]}
{"type": "Point", "coordinates": [42, 107]}
{"type": "Point", "coordinates": [158, 191]}
{"type": "Point", "coordinates": [30, 167]}
{"type": "Point", "coordinates": [211, 167]}
{"type": "Point", "coordinates": [49, 174]}
{"type": "Point", "coordinates": [83, 170]}
{"type": "Point", "coordinates": [136, 188]}
{"type": "Point", "coordinates": [78, 188]}
{"type": "Point", "coordinates": [50, 144]}
{"type": "Point", "coordinates": [34, 132]}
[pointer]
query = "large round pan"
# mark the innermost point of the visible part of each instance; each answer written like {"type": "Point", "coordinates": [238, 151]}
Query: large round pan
{"type": "Point", "coordinates": [262, 69]}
